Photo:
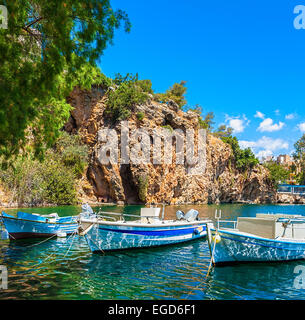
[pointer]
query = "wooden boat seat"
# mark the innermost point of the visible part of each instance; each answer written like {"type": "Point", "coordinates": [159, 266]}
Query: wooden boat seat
{"type": "Point", "coordinates": [270, 227]}
{"type": "Point", "coordinates": [260, 227]}
{"type": "Point", "coordinates": [150, 215]}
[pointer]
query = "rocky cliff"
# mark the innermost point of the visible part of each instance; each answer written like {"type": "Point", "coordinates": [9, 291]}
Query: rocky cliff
{"type": "Point", "coordinates": [170, 183]}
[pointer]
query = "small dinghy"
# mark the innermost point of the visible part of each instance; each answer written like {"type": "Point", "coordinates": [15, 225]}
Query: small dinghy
{"type": "Point", "coordinates": [27, 225]}
{"type": "Point", "coordinates": [264, 238]}
{"type": "Point", "coordinates": [147, 230]}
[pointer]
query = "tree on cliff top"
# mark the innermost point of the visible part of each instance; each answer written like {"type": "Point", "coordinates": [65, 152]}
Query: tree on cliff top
{"type": "Point", "coordinates": [277, 172]}
{"type": "Point", "coordinates": [176, 93]}
{"type": "Point", "coordinates": [244, 159]}
{"type": "Point", "coordinates": [299, 157]}
{"type": "Point", "coordinates": [48, 47]}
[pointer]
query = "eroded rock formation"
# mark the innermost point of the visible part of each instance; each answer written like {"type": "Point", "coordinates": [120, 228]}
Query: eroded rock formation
{"type": "Point", "coordinates": [131, 183]}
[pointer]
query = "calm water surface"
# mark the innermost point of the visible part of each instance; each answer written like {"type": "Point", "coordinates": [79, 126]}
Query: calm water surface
{"type": "Point", "coordinates": [66, 269]}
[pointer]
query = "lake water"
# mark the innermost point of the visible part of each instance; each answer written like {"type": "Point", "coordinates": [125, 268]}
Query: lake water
{"type": "Point", "coordinates": [64, 268]}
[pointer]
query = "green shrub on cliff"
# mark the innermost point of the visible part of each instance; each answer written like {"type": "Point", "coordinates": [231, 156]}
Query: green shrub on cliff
{"type": "Point", "coordinates": [142, 187]}
{"type": "Point", "coordinates": [277, 172]}
{"type": "Point", "coordinates": [128, 92]}
{"type": "Point", "coordinates": [58, 183]}
{"type": "Point", "coordinates": [299, 158]}
{"type": "Point", "coordinates": [51, 181]}
{"type": "Point", "coordinates": [176, 93]}
{"type": "Point", "coordinates": [244, 159]}
{"type": "Point", "coordinates": [72, 153]}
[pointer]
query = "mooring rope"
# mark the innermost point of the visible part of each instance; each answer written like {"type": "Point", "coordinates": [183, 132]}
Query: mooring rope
{"type": "Point", "coordinates": [74, 234]}
{"type": "Point", "coordinates": [53, 253]}
{"type": "Point", "coordinates": [208, 272]}
{"type": "Point", "coordinates": [205, 281]}
{"type": "Point", "coordinates": [36, 244]}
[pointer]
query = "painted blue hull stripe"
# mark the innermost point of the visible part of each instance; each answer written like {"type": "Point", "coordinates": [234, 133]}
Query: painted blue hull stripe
{"type": "Point", "coordinates": [264, 245]}
{"type": "Point", "coordinates": [173, 232]}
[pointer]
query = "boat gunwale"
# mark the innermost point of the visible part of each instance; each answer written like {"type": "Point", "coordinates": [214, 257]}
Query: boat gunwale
{"type": "Point", "coordinates": [251, 236]}
{"type": "Point", "coordinates": [145, 225]}
{"type": "Point", "coordinates": [47, 222]}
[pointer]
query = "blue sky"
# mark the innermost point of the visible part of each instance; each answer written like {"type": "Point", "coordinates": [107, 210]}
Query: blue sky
{"type": "Point", "coordinates": [242, 60]}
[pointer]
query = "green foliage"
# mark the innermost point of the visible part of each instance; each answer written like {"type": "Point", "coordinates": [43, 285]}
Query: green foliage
{"type": "Point", "coordinates": [142, 187]}
{"type": "Point", "coordinates": [146, 86]}
{"type": "Point", "coordinates": [58, 184]}
{"type": "Point", "coordinates": [299, 146]}
{"type": "Point", "coordinates": [52, 181]}
{"type": "Point", "coordinates": [72, 153]}
{"type": "Point", "coordinates": [140, 116]}
{"type": "Point", "coordinates": [277, 172]}
{"type": "Point", "coordinates": [299, 157]}
{"type": "Point", "coordinates": [244, 159]}
{"type": "Point", "coordinates": [176, 93]}
{"type": "Point", "coordinates": [207, 122]}
{"type": "Point", "coordinates": [124, 97]}
{"type": "Point", "coordinates": [49, 47]}
{"type": "Point", "coordinates": [168, 127]}
{"type": "Point", "coordinates": [223, 131]}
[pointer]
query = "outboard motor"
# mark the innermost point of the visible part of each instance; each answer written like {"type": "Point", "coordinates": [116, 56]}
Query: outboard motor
{"type": "Point", "coordinates": [86, 211]}
{"type": "Point", "coordinates": [191, 215]}
{"type": "Point", "coordinates": [179, 215]}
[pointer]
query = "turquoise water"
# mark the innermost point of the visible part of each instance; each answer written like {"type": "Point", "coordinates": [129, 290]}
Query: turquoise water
{"type": "Point", "coordinates": [64, 268]}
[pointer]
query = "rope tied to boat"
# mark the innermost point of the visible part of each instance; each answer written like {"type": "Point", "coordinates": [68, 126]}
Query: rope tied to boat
{"type": "Point", "coordinates": [54, 253]}
{"type": "Point", "coordinates": [212, 254]}
{"type": "Point", "coordinates": [285, 226]}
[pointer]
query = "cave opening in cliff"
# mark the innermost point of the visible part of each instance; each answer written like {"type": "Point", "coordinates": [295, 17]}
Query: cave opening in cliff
{"type": "Point", "coordinates": [130, 189]}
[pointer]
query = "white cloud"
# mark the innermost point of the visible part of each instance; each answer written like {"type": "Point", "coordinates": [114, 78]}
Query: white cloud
{"type": "Point", "coordinates": [238, 124]}
{"type": "Point", "coordinates": [290, 116]}
{"type": "Point", "coordinates": [259, 115]}
{"type": "Point", "coordinates": [265, 143]}
{"type": "Point", "coordinates": [301, 126]}
{"type": "Point", "coordinates": [269, 126]}
{"type": "Point", "coordinates": [265, 146]}
{"type": "Point", "coordinates": [264, 154]}
{"type": "Point", "coordinates": [277, 112]}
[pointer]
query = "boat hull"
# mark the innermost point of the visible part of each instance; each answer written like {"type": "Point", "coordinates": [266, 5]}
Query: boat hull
{"type": "Point", "coordinates": [22, 229]}
{"type": "Point", "coordinates": [105, 237]}
{"type": "Point", "coordinates": [231, 247]}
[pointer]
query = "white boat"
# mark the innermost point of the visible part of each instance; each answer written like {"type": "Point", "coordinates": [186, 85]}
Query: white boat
{"type": "Point", "coordinates": [264, 238]}
{"type": "Point", "coordinates": [147, 230]}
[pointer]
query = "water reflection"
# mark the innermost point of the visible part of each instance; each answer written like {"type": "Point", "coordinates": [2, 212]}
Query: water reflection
{"type": "Point", "coordinates": [65, 268]}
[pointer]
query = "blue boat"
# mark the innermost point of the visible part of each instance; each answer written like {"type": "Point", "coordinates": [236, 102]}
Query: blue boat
{"type": "Point", "coordinates": [27, 225]}
{"type": "Point", "coordinates": [264, 238]}
{"type": "Point", "coordinates": [148, 230]}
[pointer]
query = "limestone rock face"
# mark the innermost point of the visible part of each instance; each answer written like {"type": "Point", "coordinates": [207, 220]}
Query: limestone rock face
{"type": "Point", "coordinates": [156, 183]}
{"type": "Point", "coordinates": [287, 198]}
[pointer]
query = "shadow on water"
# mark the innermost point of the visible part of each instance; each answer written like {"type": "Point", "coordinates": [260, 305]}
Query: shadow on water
{"type": "Point", "coordinates": [64, 268]}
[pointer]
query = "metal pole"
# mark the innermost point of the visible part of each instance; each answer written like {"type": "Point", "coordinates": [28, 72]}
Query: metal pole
{"type": "Point", "coordinates": [163, 212]}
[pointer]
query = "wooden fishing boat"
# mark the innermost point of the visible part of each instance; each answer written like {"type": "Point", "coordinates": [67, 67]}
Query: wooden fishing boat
{"type": "Point", "coordinates": [27, 225]}
{"type": "Point", "coordinates": [264, 238]}
{"type": "Point", "coordinates": [147, 230]}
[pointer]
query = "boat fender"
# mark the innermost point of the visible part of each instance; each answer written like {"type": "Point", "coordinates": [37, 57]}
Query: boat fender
{"type": "Point", "coordinates": [198, 230]}
{"type": "Point", "coordinates": [61, 234]}
{"type": "Point", "coordinates": [216, 238]}
{"type": "Point", "coordinates": [5, 235]}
